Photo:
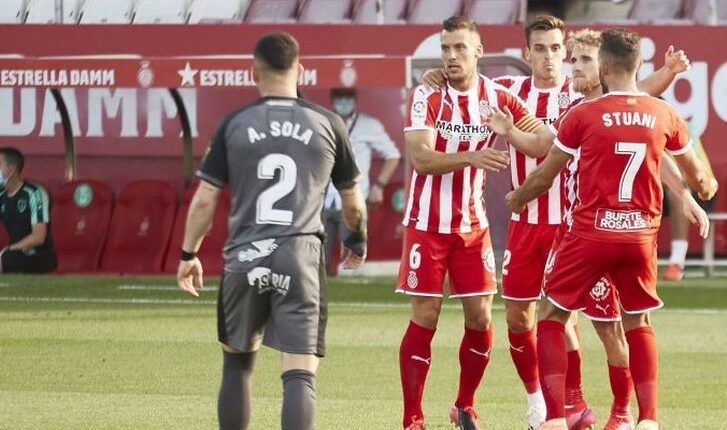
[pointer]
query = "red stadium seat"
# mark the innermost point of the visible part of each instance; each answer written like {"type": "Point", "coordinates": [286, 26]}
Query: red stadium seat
{"type": "Point", "coordinates": [496, 11]}
{"type": "Point", "coordinates": [211, 251]}
{"type": "Point", "coordinates": [140, 228]}
{"type": "Point", "coordinates": [433, 11]}
{"type": "Point", "coordinates": [80, 221]}
{"type": "Point", "coordinates": [272, 11]}
{"type": "Point", "coordinates": [326, 11]}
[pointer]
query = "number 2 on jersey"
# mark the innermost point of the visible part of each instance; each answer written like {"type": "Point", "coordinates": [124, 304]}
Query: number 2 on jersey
{"type": "Point", "coordinates": [266, 169]}
{"type": "Point", "coordinates": [636, 153]}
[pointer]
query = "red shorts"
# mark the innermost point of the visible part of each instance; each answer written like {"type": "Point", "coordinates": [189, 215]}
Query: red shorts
{"type": "Point", "coordinates": [602, 302]}
{"type": "Point", "coordinates": [466, 257]}
{"type": "Point", "coordinates": [577, 264]}
{"type": "Point", "coordinates": [526, 252]}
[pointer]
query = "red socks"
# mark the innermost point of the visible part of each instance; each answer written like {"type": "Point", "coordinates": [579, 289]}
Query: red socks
{"type": "Point", "coordinates": [574, 395]}
{"type": "Point", "coordinates": [474, 354]}
{"type": "Point", "coordinates": [621, 386]}
{"type": "Point", "coordinates": [523, 350]}
{"type": "Point", "coordinates": [552, 365]}
{"type": "Point", "coordinates": [415, 354]}
{"type": "Point", "coordinates": [644, 364]}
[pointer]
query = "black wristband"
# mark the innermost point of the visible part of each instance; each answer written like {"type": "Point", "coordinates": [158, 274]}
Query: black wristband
{"type": "Point", "coordinates": [381, 184]}
{"type": "Point", "coordinates": [187, 256]}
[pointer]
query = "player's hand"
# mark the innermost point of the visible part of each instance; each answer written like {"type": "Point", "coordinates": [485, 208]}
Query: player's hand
{"type": "Point", "coordinates": [499, 121]}
{"type": "Point", "coordinates": [695, 214]}
{"type": "Point", "coordinates": [489, 159]}
{"type": "Point", "coordinates": [513, 203]}
{"type": "Point", "coordinates": [713, 187]}
{"type": "Point", "coordinates": [189, 276]}
{"type": "Point", "coordinates": [354, 250]}
{"type": "Point", "coordinates": [676, 62]}
{"type": "Point", "coordinates": [435, 78]}
{"type": "Point", "coordinates": [376, 196]}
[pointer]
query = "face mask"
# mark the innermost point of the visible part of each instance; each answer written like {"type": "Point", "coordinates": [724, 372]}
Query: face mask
{"type": "Point", "coordinates": [344, 106]}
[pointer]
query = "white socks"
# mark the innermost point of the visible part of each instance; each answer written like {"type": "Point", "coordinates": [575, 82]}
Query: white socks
{"type": "Point", "coordinates": [678, 252]}
{"type": "Point", "coordinates": [536, 398]}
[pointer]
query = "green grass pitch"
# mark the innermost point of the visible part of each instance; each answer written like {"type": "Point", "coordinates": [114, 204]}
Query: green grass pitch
{"type": "Point", "coordinates": [134, 353]}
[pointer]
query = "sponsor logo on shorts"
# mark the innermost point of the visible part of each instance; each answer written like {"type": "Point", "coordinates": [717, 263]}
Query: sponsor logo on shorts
{"type": "Point", "coordinates": [262, 248]}
{"type": "Point", "coordinates": [600, 290]}
{"type": "Point", "coordinates": [411, 280]}
{"type": "Point", "coordinates": [615, 220]}
{"type": "Point", "coordinates": [488, 260]}
{"type": "Point", "coordinates": [265, 280]}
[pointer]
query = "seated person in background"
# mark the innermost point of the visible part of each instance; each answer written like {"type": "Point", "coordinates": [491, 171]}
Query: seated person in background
{"type": "Point", "coordinates": [24, 211]}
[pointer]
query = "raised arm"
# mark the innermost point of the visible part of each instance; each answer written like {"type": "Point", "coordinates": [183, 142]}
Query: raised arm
{"type": "Point", "coordinates": [674, 63]}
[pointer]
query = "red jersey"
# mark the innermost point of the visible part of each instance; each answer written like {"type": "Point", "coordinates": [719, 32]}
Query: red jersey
{"type": "Point", "coordinates": [454, 202]}
{"type": "Point", "coordinates": [620, 138]}
{"type": "Point", "coordinates": [547, 105]}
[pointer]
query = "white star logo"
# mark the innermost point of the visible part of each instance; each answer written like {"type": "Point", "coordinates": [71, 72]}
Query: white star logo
{"type": "Point", "coordinates": [187, 75]}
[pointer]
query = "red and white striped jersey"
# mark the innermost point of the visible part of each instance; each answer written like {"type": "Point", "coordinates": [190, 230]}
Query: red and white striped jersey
{"type": "Point", "coordinates": [546, 105]}
{"type": "Point", "coordinates": [570, 182]}
{"type": "Point", "coordinates": [454, 202]}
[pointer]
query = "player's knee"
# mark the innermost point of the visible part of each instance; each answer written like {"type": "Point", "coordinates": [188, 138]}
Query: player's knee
{"type": "Point", "coordinates": [632, 321]}
{"type": "Point", "coordinates": [426, 313]}
{"type": "Point", "coordinates": [480, 321]}
{"type": "Point", "coordinates": [520, 322]}
{"type": "Point", "coordinates": [308, 362]}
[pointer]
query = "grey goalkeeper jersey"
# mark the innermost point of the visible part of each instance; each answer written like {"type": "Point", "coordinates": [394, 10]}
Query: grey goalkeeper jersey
{"type": "Point", "coordinates": [277, 155]}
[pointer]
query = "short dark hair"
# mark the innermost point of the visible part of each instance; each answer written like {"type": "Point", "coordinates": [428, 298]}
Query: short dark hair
{"type": "Point", "coordinates": [543, 23]}
{"type": "Point", "coordinates": [278, 50]}
{"type": "Point", "coordinates": [13, 157]}
{"type": "Point", "coordinates": [621, 48]}
{"type": "Point", "coordinates": [460, 22]}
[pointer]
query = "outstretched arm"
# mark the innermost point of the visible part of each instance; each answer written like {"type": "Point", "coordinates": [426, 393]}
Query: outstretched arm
{"type": "Point", "coordinates": [539, 181]}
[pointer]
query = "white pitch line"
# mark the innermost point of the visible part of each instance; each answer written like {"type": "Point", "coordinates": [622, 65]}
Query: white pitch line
{"type": "Point", "coordinates": [353, 305]}
{"type": "Point", "coordinates": [108, 301]}
{"type": "Point", "coordinates": [133, 287]}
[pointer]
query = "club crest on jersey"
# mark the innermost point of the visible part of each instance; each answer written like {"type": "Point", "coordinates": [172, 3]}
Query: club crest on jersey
{"type": "Point", "coordinates": [22, 205]}
{"type": "Point", "coordinates": [563, 100]}
{"type": "Point", "coordinates": [411, 280]}
{"type": "Point", "coordinates": [601, 290]}
{"type": "Point", "coordinates": [485, 109]}
{"type": "Point", "coordinates": [488, 260]}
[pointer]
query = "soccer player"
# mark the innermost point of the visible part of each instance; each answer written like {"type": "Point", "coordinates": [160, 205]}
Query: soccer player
{"type": "Point", "coordinates": [277, 155]}
{"type": "Point", "coordinates": [602, 306]}
{"type": "Point", "coordinates": [547, 93]}
{"type": "Point", "coordinates": [615, 217]}
{"type": "Point", "coordinates": [446, 232]}
{"type": "Point", "coordinates": [24, 209]}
